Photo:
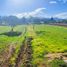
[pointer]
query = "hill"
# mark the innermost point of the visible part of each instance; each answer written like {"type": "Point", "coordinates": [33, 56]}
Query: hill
{"type": "Point", "coordinates": [13, 20]}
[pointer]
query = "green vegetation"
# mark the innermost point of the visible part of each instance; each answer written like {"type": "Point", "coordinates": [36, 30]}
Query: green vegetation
{"type": "Point", "coordinates": [58, 63]}
{"type": "Point", "coordinates": [46, 39]}
{"type": "Point", "coordinates": [6, 41]}
{"type": "Point", "coordinates": [49, 39]}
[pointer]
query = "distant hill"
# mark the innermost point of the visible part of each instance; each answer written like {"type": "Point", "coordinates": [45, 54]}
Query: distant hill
{"type": "Point", "coordinates": [13, 20]}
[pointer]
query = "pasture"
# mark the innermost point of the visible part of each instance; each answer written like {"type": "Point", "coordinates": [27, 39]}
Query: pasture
{"type": "Point", "coordinates": [47, 39]}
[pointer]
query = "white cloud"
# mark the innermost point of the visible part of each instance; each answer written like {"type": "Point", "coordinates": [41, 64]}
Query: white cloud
{"type": "Point", "coordinates": [63, 1]}
{"type": "Point", "coordinates": [39, 9]}
{"type": "Point", "coordinates": [55, 2]}
{"type": "Point", "coordinates": [52, 2]}
{"type": "Point", "coordinates": [62, 15]}
{"type": "Point", "coordinates": [34, 13]}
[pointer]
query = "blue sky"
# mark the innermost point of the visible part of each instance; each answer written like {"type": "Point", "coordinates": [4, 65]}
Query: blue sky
{"type": "Point", "coordinates": [56, 8]}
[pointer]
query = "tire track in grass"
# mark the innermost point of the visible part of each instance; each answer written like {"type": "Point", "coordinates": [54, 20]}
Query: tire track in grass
{"type": "Point", "coordinates": [25, 54]}
{"type": "Point", "coordinates": [24, 57]}
{"type": "Point", "coordinates": [6, 62]}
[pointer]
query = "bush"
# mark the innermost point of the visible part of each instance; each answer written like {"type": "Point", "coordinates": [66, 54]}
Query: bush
{"type": "Point", "coordinates": [57, 63]}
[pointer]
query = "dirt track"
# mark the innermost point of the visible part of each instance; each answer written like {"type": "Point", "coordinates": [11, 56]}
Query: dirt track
{"type": "Point", "coordinates": [25, 54]}
{"type": "Point", "coordinates": [59, 24]}
{"type": "Point", "coordinates": [8, 55]}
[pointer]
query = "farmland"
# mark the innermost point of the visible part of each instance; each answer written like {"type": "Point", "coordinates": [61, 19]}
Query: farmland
{"type": "Point", "coordinates": [49, 39]}
{"type": "Point", "coordinates": [46, 40]}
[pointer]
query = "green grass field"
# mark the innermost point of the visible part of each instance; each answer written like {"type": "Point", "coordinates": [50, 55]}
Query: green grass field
{"type": "Point", "coordinates": [49, 39]}
{"type": "Point", "coordinates": [46, 39]}
{"type": "Point", "coordinates": [6, 41]}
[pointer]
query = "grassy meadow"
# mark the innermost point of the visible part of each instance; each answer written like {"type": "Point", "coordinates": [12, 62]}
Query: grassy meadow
{"type": "Point", "coordinates": [49, 39]}
{"type": "Point", "coordinates": [46, 39]}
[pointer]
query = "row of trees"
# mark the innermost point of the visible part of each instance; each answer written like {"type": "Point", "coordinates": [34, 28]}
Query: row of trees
{"type": "Point", "coordinates": [13, 20]}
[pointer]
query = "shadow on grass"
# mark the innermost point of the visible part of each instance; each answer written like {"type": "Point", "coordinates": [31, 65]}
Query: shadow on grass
{"type": "Point", "coordinates": [11, 34]}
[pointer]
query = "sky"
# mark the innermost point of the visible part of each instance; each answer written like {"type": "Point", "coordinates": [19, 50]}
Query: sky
{"type": "Point", "coordinates": [56, 8]}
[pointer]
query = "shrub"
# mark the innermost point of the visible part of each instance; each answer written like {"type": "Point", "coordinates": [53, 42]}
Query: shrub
{"type": "Point", "coordinates": [57, 63]}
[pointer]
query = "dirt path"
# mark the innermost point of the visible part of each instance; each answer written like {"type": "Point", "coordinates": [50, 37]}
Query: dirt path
{"type": "Point", "coordinates": [57, 55]}
{"type": "Point", "coordinates": [30, 31]}
{"type": "Point", "coordinates": [6, 62]}
{"type": "Point", "coordinates": [59, 24]}
{"type": "Point", "coordinates": [25, 54]}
